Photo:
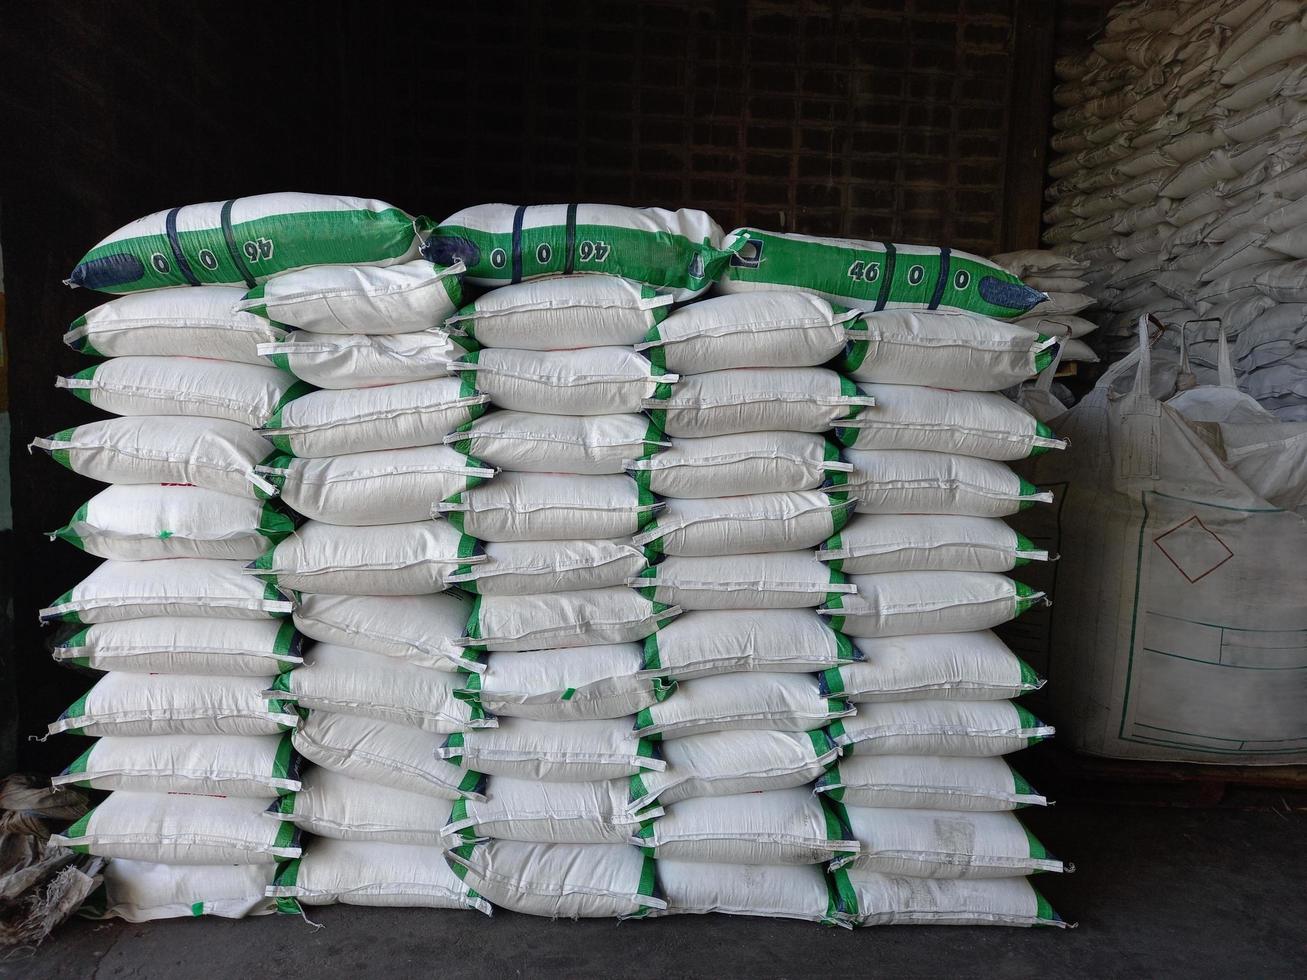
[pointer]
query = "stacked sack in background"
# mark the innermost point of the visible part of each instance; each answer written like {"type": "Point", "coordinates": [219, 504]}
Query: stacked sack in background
{"type": "Point", "coordinates": [1060, 277]}
{"type": "Point", "coordinates": [1182, 180]}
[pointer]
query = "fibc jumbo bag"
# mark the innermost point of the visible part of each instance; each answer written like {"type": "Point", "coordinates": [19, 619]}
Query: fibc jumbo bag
{"type": "Point", "coordinates": [578, 683]}
{"type": "Point", "coordinates": [244, 393]}
{"type": "Point", "coordinates": [420, 629]}
{"type": "Point", "coordinates": [561, 880]}
{"type": "Point", "coordinates": [909, 603]}
{"type": "Point", "coordinates": [547, 813]}
{"type": "Point", "coordinates": [757, 400]}
{"type": "Point", "coordinates": [262, 766]}
{"type": "Point", "coordinates": [746, 524]}
{"type": "Point", "coordinates": [364, 360]}
{"type": "Point", "coordinates": [928, 783]}
{"type": "Point", "coordinates": [182, 322]}
{"type": "Point", "coordinates": [726, 641]}
{"type": "Point", "coordinates": [873, 899]}
{"type": "Point", "coordinates": [909, 481]}
{"type": "Point", "coordinates": [372, 873]}
{"type": "Point", "coordinates": [395, 486]}
{"type": "Point", "coordinates": [185, 645]}
{"type": "Point", "coordinates": [873, 543]}
{"type": "Point", "coordinates": [331, 804]}
{"type": "Point", "coordinates": [780, 892]}
{"type": "Point", "coordinates": [342, 299]}
{"type": "Point", "coordinates": [550, 507]}
{"type": "Point", "coordinates": [679, 252]}
{"type": "Point", "coordinates": [781, 329]}
{"type": "Point", "coordinates": [119, 590]}
{"type": "Point", "coordinates": [139, 522]}
{"type": "Point", "coordinates": [533, 567]}
{"type": "Point", "coordinates": [943, 349]}
{"type": "Point", "coordinates": [248, 239]}
{"type": "Point", "coordinates": [211, 453]}
{"type": "Point", "coordinates": [932, 666]}
{"type": "Point", "coordinates": [768, 702]}
{"type": "Point", "coordinates": [534, 443]}
{"type": "Point", "coordinates": [142, 891]}
{"type": "Point", "coordinates": [590, 381]}
{"type": "Point", "coordinates": [740, 463]}
{"type": "Point", "coordinates": [780, 580]}
{"type": "Point", "coordinates": [949, 728]}
{"type": "Point", "coordinates": [554, 751]}
{"type": "Point", "coordinates": [874, 275]}
{"type": "Point", "coordinates": [180, 829]}
{"type": "Point", "coordinates": [564, 619]}
{"type": "Point", "coordinates": [176, 704]}
{"type": "Point", "coordinates": [562, 313]}
{"type": "Point", "coordinates": [331, 423]}
{"type": "Point", "coordinates": [946, 843]}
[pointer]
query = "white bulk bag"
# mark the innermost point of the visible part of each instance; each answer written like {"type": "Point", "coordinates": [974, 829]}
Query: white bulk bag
{"type": "Point", "coordinates": [809, 399]}
{"type": "Point", "coordinates": [908, 481]}
{"type": "Point", "coordinates": [733, 762]}
{"type": "Point", "coordinates": [767, 702]}
{"type": "Point", "coordinates": [142, 891]}
{"type": "Point", "coordinates": [390, 559]}
{"type": "Point", "coordinates": [193, 386]}
{"type": "Point", "coordinates": [882, 900]}
{"type": "Point", "coordinates": [725, 641]}
{"type": "Point", "coordinates": [564, 619]}
{"type": "Point", "coordinates": [765, 329]}
{"type": "Point", "coordinates": [211, 453]}
{"type": "Point", "coordinates": [958, 728]}
{"type": "Point", "coordinates": [928, 783]}
{"type": "Point", "coordinates": [946, 843]}
{"type": "Point", "coordinates": [909, 603]}
{"type": "Point", "coordinates": [331, 804]}
{"type": "Point", "coordinates": [873, 543]}
{"type": "Point", "coordinates": [546, 813]}
{"type": "Point", "coordinates": [778, 827]}
{"type": "Point", "coordinates": [561, 880]}
{"type": "Point", "coordinates": [422, 630]}
{"type": "Point", "coordinates": [176, 704]}
{"type": "Point", "coordinates": [393, 486]}
{"type": "Point", "coordinates": [345, 299]}
{"type": "Point", "coordinates": [139, 522]}
{"type": "Point", "coordinates": [943, 349]}
{"type": "Point", "coordinates": [332, 423]}
{"type": "Point", "coordinates": [932, 666]}
{"type": "Point", "coordinates": [119, 590]}
{"type": "Point", "coordinates": [180, 829]}
{"type": "Point", "coordinates": [562, 313]}
{"type": "Point", "coordinates": [553, 751]}
{"type": "Point", "coordinates": [174, 322]}
{"type": "Point", "coordinates": [747, 524]}
{"type": "Point", "coordinates": [370, 685]}
{"type": "Point", "coordinates": [578, 683]}
{"type": "Point", "coordinates": [778, 892]}
{"type": "Point", "coordinates": [968, 423]}
{"type": "Point", "coordinates": [747, 462]}
{"type": "Point", "coordinates": [550, 507]}
{"type": "Point", "coordinates": [780, 580]}
{"type": "Point", "coordinates": [185, 645]}
{"type": "Point", "coordinates": [528, 442]}
{"type": "Point", "coordinates": [364, 360]}
{"type": "Point", "coordinates": [260, 766]}
{"type": "Point", "coordinates": [372, 873]}
{"type": "Point", "coordinates": [590, 381]}
{"type": "Point", "coordinates": [385, 754]}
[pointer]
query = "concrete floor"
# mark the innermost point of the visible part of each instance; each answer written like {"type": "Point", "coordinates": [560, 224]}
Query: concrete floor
{"type": "Point", "coordinates": [1160, 892]}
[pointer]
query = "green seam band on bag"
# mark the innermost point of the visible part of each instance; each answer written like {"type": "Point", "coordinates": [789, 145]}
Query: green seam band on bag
{"type": "Point", "coordinates": [643, 720]}
{"type": "Point", "coordinates": [663, 688]}
{"type": "Point", "coordinates": [845, 652]}
{"type": "Point", "coordinates": [274, 523]}
{"type": "Point", "coordinates": [568, 694]}
{"type": "Point", "coordinates": [284, 804]}
{"type": "Point", "coordinates": [651, 660]}
{"type": "Point", "coordinates": [284, 642]}
{"type": "Point", "coordinates": [649, 592]}
{"type": "Point", "coordinates": [644, 480]}
{"type": "Point", "coordinates": [830, 682]}
{"type": "Point", "coordinates": [855, 352]}
{"type": "Point", "coordinates": [837, 819]}
{"type": "Point", "coordinates": [467, 546]}
{"type": "Point", "coordinates": [82, 826]}
{"type": "Point", "coordinates": [1030, 680]}
{"type": "Point", "coordinates": [472, 782]}
{"type": "Point", "coordinates": [841, 512]}
{"type": "Point", "coordinates": [78, 765]}
{"type": "Point", "coordinates": [282, 760]}
{"type": "Point", "coordinates": [298, 390]}
{"type": "Point", "coordinates": [287, 834]}
{"type": "Point", "coordinates": [1027, 490]}
{"type": "Point", "coordinates": [662, 390]}
{"type": "Point", "coordinates": [1026, 597]}
{"type": "Point", "coordinates": [474, 620]}
{"type": "Point", "coordinates": [1045, 357]}
{"type": "Point", "coordinates": [848, 895]}
{"type": "Point", "coordinates": [657, 357]}
{"type": "Point", "coordinates": [648, 878]}
{"type": "Point", "coordinates": [657, 424]}
{"type": "Point", "coordinates": [78, 639]}
{"type": "Point", "coordinates": [280, 440]}
{"type": "Point", "coordinates": [1019, 785]}
{"type": "Point", "coordinates": [1037, 850]}
{"type": "Point", "coordinates": [283, 683]}
{"type": "Point", "coordinates": [1043, 910]}
{"type": "Point", "coordinates": [836, 731]}
{"type": "Point", "coordinates": [637, 788]}
{"type": "Point", "coordinates": [645, 748]}
{"type": "Point", "coordinates": [77, 709]}
{"type": "Point", "coordinates": [821, 742]}
{"type": "Point", "coordinates": [474, 357]}
{"type": "Point", "coordinates": [197, 908]}
{"type": "Point", "coordinates": [833, 600]}
{"type": "Point", "coordinates": [453, 289]}
{"type": "Point", "coordinates": [458, 812]}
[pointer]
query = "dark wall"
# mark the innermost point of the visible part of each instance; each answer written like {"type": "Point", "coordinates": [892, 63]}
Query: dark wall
{"type": "Point", "coordinates": [878, 118]}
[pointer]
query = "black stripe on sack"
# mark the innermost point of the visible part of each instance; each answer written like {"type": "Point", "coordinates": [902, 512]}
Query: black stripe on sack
{"type": "Point", "coordinates": [887, 276]}
{"type": "Point", "coordinates": [232, 249]}
{"type": "Point", "coordinates": [570, 263]}
{"type": "Point", "coordinates": [184, 267]}
{"type": "Point", "coordinates": [945, 257]}
{"type": "Point", "coordinates": [518, 215]}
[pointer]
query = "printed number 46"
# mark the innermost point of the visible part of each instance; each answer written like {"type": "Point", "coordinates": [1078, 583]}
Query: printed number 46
{"type": "Point", "coordinates": [257, 249]}
{"type": "Point", "coordinates": [864, 271]}
{"type": "Point", "coordinates": [589, 251]}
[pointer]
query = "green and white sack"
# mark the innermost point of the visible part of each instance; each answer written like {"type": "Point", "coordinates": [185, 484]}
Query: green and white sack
{"type": "Point", "coordinates": [564, 619]}
{"type": "Point", "coordinates": [140, 522]}
{"type": "Point", "coordinates": [910, 603]}
{"type": "Point", "coordinates": [780, 580]}
{"type": "Point", "coordinates": [757, 701]}
{"type": "Point", "coordinates": [875, 543]}
{"type": "Point", "coordinates": [546, 813]}
{"type": "Point", "coordinates": [779, 892]}
{"type": "Point", "coordinates": [726, 641]}
{"type": "Point", "coordinates": [185, 645]}
{"type": "Point", "coordinates": [394, 486]}
{"type": "Point", "coordinates": [210, 453]}
{"type": "Point", "coordinates": [174, 323]}
{"type": "Point", "coordinates": [680, 252]}
{"type": "Point", "coordinates": [748, 462]}
{"type": "Point", "coordinates": [874, 899]}
{"type": "Point", "coordinates": [342, 299]}
{"type": "Point", "coordinates": [928, 783]}
{"type": "Point", "coordinates": [258, 766]}
{"type": "Point", "coordinates": [744, 524]}
{"type": "Point", "coordinates": [422, 630]}
{"type": "Point", "coordinates": [562, 685]}
{"type": "Point", "coordinates": [589, 381]}
{"type": "Point", "coordinates": [176, 704]}
{"type": "Point", "coordinates": [533, 567]}
{"type": "Point", "coordinates": [532, 443]}
{"type": "Point", "coordinates": [554, 751]}
{"type": "Point", "coordinates": [946, 844]}
{"type": "Point", "coordinates": [364, 360]}
{"type": "Point", "coordinates": [956, 728]}
{"type": "Point", "coordinates": [119, 590]}
{"type": "Point", "coordinates": [143, 891]}
{"type": "Point", "coordinates": [248, 239]}
{"type": "Point", "coordinates": [874, 275]}
{"type": "Point", "coordinates": [331, 804]}
{"type": "Point", "coordinates": [909, 481]}
{"type": "Point", "coordinates": [562, 313]}
{"type": "Point", "coordinates": [245, 393]}
{"type": "Point", "coordinates": [179, 829]}
{"type": "Point", "coordinates": [550, 507]}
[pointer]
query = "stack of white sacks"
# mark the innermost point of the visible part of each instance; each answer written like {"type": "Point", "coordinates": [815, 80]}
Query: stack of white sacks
{"type": "Point", "coordinates": [1061, 278]}
{"type": "Point", "coordinates": [1183, 182]}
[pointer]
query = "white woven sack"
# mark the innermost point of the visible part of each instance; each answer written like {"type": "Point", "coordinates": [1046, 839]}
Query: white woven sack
{"type": "Point", "coordinates": [748, 462]}
{"type": "Point", "coordinates": [550, 507]}
{"type": "Point", "coordinates": [928, 783]}
{"type": "Point", "coordinates": [422, 630]}
{"type": "Point", "coordinates": [951, 728]}
{"type": "Point", "coordinates": [553, 751]}
{"type": "Point", "coordinates": [532, 443]}
{"type": "Point", "coordinates": [766, 702]}
{"type": "Point", "coordinates": [1038, 262]}
{"type": "Point", "coordinates": [746, 524]}
{"type": "Point", "coordinates": [809, 399]}
{"type": "Point", "coordinates": [331, 804]}
{"type": "Point", "coordinates": [778, 892]}
{"type": "Point", "coordinates": [908, 481]}
{"type": "Point", "coordinates": [143, 891]}
{"type": "Point", "coordinates": [364, 360]}
{"type": "Point", "coordinates": [1275, 33]}
{"type": "Point", "coordinates": [946, 844]}
{"type": "Point", "coordinates": [589, 381]}
{"type": "Point", "coordinates": [185, 645]}
{"type": "Point", "coordinates": [725, 641]}
{"type": "Point", "coordinates": [345, 299]}
{"type": "Point", "coordinates": [874, 543]}
{"type": "Point", "coordinates": [546, 813]}
{"type": "Point", "coordinates": [560, 685]}
{"type": "Point", "coordinates": [884, 900]}
{"type": "Point", "coordinates": [933, 666]}
{"type": "Point", "coordinates": [564, 619]}
{"type": "Point", "coordinates": [909, 603]}
{"type": "Point", "coordinates": [779, 580]}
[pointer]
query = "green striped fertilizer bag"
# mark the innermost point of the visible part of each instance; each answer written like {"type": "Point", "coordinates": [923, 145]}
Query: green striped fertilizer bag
{"type": "Point", "coordinates": [246, 240]}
